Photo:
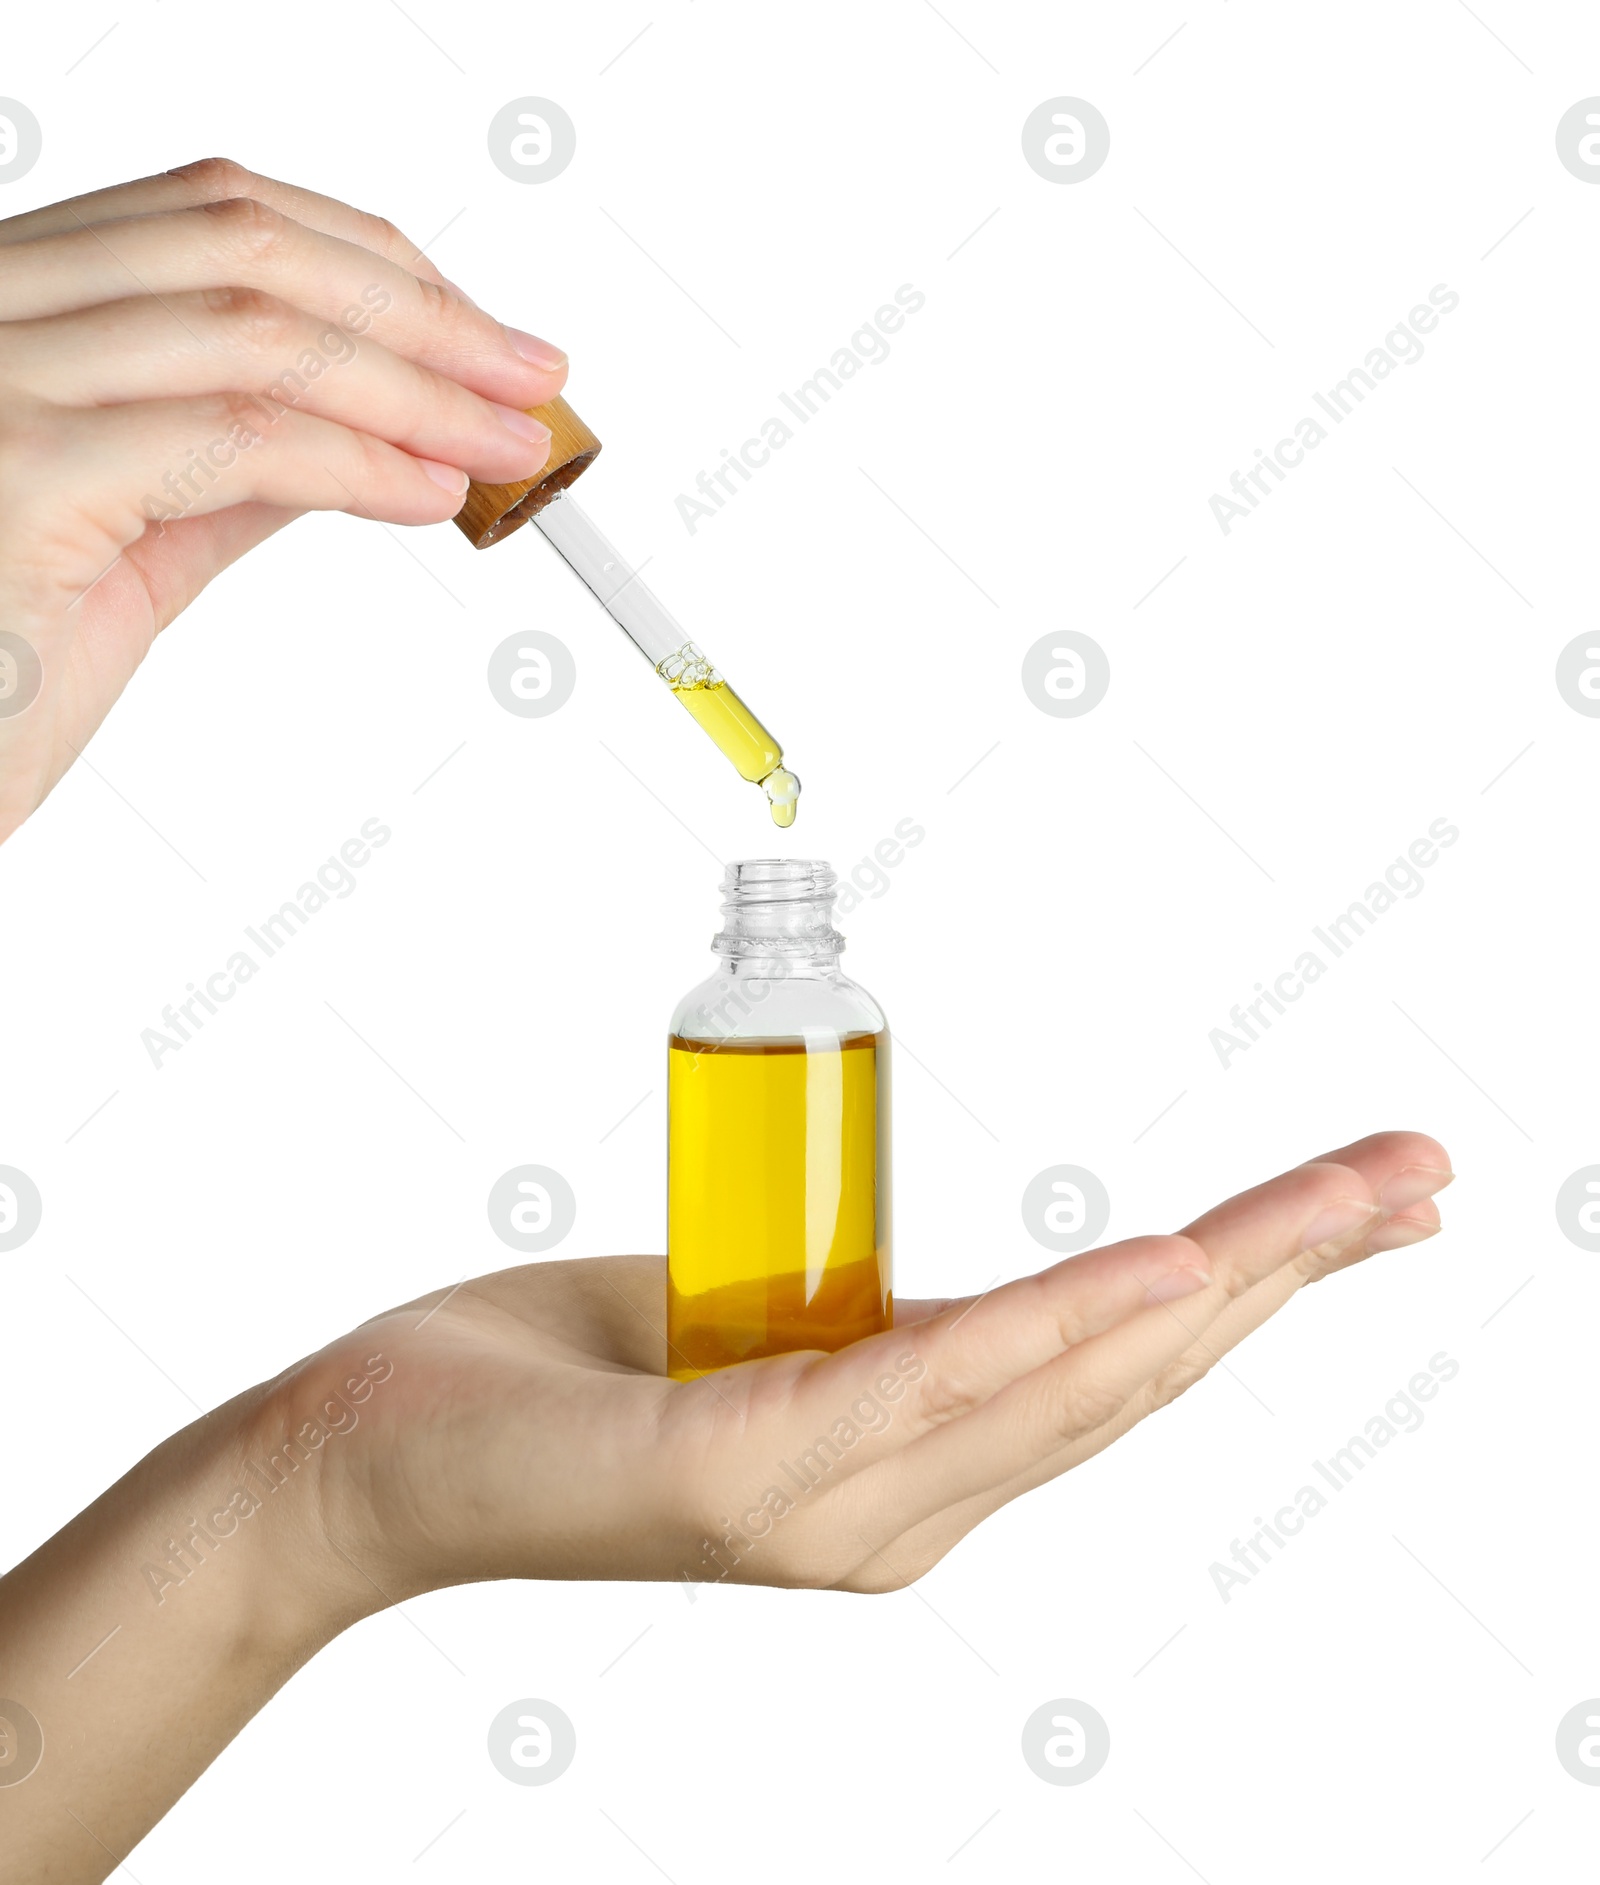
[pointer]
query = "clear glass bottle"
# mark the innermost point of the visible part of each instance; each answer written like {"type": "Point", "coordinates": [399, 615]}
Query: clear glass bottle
{"type": "Point", "coordinates": [778, 1135]}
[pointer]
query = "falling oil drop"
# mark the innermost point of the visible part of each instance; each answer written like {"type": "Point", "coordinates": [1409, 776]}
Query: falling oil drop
{"type": "Point", "coordinates": [783, 794]}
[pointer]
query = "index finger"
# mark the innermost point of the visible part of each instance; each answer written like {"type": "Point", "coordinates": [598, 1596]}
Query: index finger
{"type": "Point", "coordinates": [1401, 1167]}
{"type": "Point", "coordinates": [214, 180]}
{"type": "Point", "coordinates": [242, 243]}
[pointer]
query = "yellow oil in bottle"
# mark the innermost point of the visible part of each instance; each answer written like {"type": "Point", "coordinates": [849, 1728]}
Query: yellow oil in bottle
{"type": "Point", "coordinates": [735, 731]}
{"type": "Point", "coordinates": [777, 1197]}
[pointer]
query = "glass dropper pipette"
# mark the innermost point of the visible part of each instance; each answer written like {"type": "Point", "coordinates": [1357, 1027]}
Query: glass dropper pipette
{"type": "Point", "coordinates": [734, 729]}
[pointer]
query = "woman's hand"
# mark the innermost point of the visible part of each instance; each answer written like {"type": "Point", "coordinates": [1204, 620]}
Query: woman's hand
{"type": "Point", "coordinates": [520, 1425]}
{"type": "Point", "coordinates": [187, 363]}
{"type": "Point", "coordinates": [527, 1429]}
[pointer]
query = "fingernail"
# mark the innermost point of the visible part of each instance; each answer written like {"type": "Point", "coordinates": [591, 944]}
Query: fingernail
{"type": "Point", "coordinates": [535, 351]}
{"type": "Point", "coordinates": [449, 476]}
{"type": "Point", "coordinates": [1177, 1283]}
{"type": "Point", "coordinates": [524, 425]}
{"type": "Point", "coordinates": [1411, 1185]}
{"type": "Point", "coordinates": [1334, 1225]}
{"type": "Point", "coordinates": [1400, 1231]}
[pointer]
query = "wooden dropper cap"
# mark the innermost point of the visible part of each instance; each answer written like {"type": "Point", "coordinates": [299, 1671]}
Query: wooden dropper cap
{"type": "Point", "coordinates": [493, 511]}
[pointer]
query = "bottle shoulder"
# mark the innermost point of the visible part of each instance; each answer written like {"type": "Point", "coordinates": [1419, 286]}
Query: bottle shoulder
{"type": "Point", "coordinates": [737, 1005]}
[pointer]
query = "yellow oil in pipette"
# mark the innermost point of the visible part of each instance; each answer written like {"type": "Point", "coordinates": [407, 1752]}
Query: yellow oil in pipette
{"type": "Point", "coordinates": [732, 728]}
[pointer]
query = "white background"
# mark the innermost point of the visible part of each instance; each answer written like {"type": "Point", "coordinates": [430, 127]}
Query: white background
{"type": "Point", "coordinates": [1342, 669]}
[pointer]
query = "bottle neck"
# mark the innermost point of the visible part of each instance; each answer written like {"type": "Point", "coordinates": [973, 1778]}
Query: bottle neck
{"type": "Point", "coordinates": [778, 910]}
{"type": "Point", "coordinates": [753, 965]}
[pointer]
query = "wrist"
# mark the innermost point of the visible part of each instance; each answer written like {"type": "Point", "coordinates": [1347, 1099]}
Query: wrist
{"type": "Point", "coordinates": [144, 1635]}
{"type": "Point", "coordinates": [284, 1494]}
{"type": "Point", "coordinates": [203, 1551]}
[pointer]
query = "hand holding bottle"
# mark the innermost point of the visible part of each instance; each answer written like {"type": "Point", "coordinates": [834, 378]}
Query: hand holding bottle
{"type": "Point", "coordinates": [188, 363]}
{"type": "Point", "coordinates": [521, 1425]}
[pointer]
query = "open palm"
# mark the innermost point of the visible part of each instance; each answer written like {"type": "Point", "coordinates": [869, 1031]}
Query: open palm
{"type": "Point", "coordinates": [528, 1430]}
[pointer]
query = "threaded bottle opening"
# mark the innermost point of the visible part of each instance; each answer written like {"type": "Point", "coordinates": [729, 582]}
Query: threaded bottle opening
{"type": "Point", "coordinates": [776, 879]}
{"type": "Point", "coordinates": [778, 906]}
